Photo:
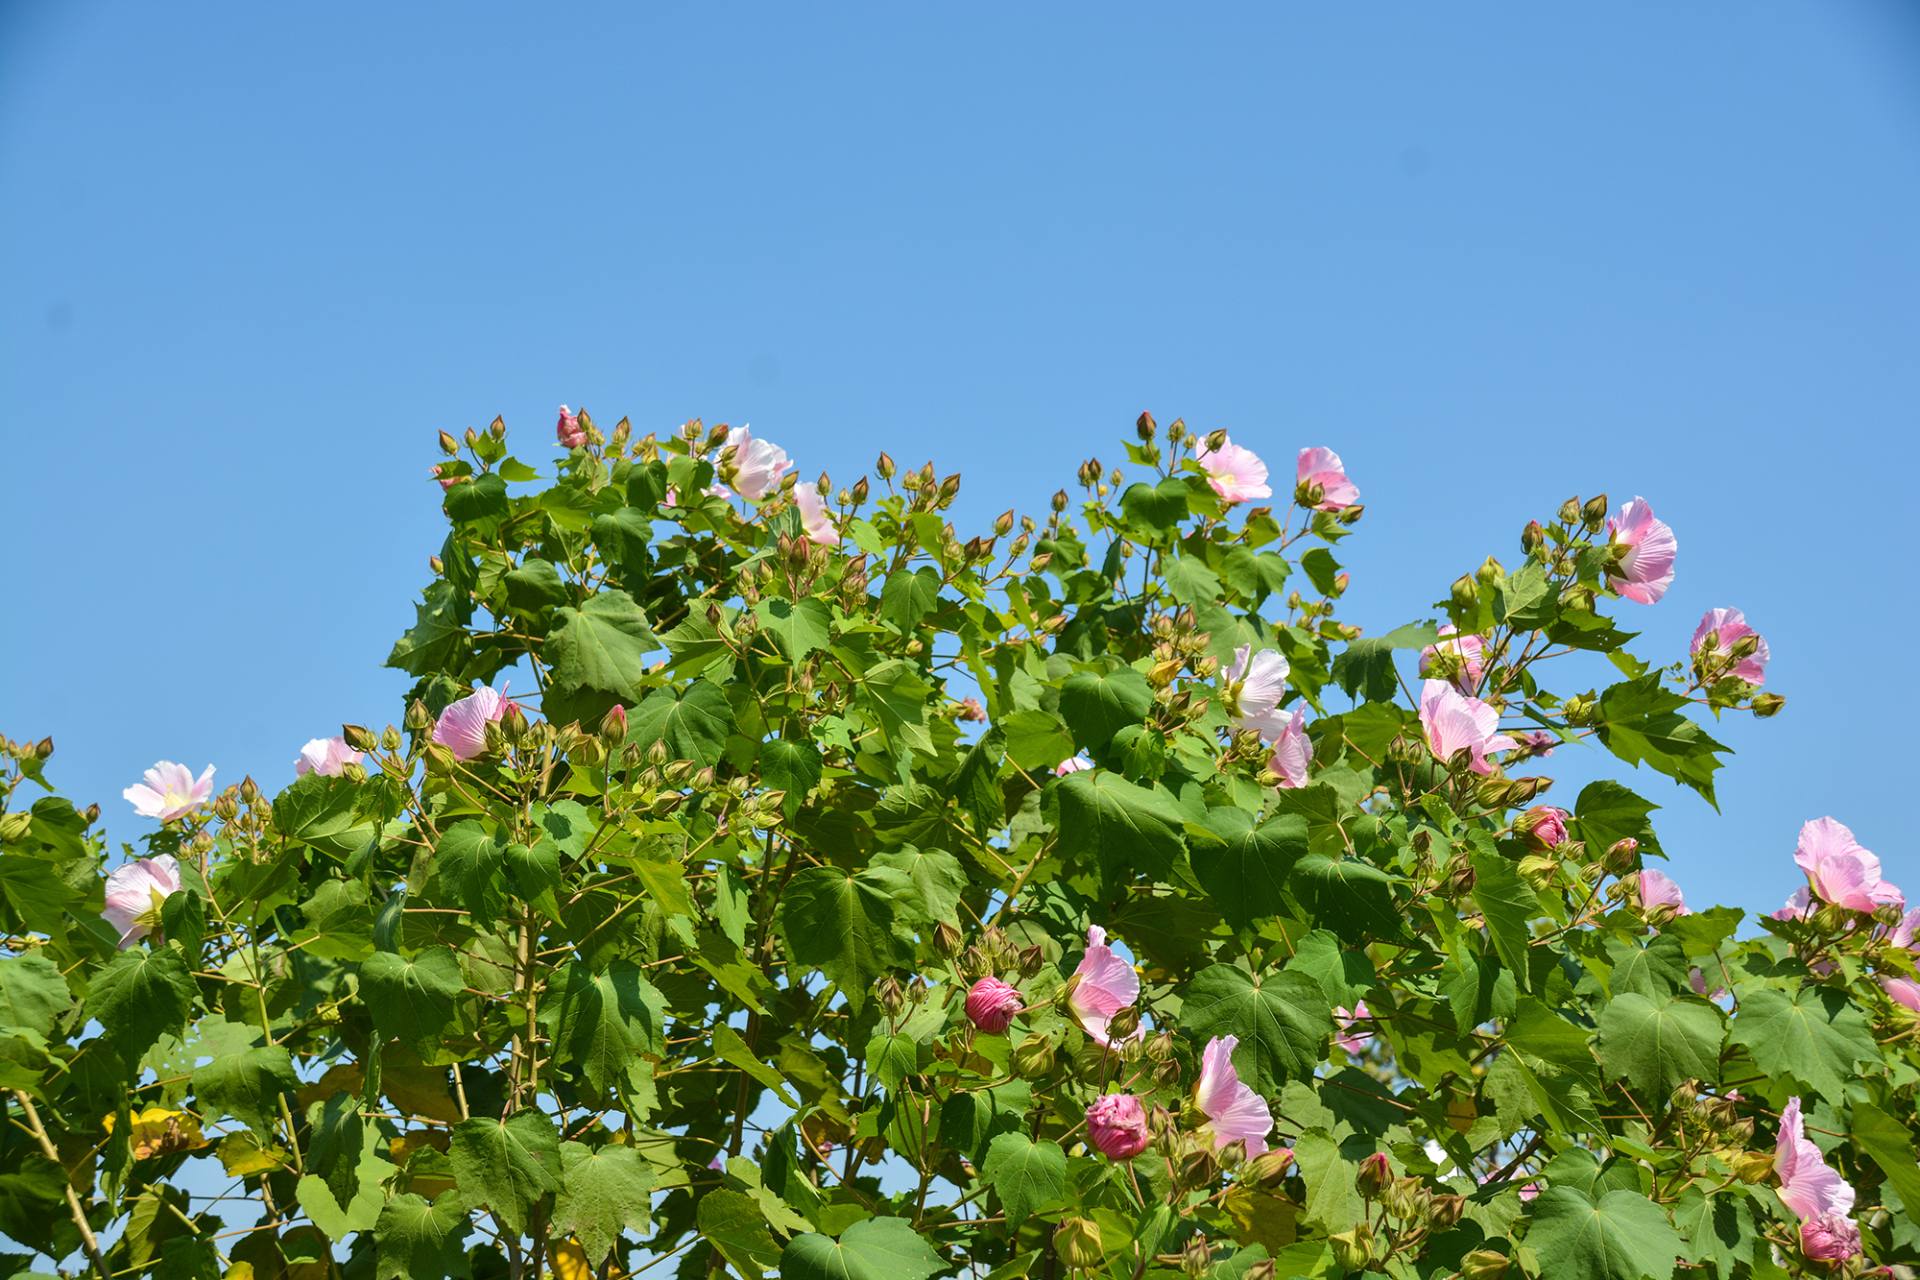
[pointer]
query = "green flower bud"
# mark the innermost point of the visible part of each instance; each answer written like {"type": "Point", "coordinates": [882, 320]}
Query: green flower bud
{"type": "Point", "coordinates": [1466, 592]}
{"type": "Point", "coordinates": [1483, 1264]}
{"type": "Point", "coordinates": [1077, 1242]}
{"type": "Point", "coordinates": [1353, 1248]}
{"type": "Point", "coordinates": [1594, 513]}
{"type": "Point", "coordinates": [1767, 704]}
{"type": "Point", "coordinates": [1033, 1057]}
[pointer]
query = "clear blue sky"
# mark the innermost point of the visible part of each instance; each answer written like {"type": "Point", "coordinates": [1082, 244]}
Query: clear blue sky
{"type": "Point", "coordinates": [252, 257]}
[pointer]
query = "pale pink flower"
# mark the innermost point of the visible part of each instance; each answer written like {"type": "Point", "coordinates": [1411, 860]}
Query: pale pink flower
{"type": "Point", "coordinates": [1799, 902]}
{"type": "Point", "coordinates": [1354, 1042]}
{"type": "Point", "coordinates": [135, 892]}
{"type": "Point", "coordinates": [1323, 467]}
{"type": "Point", "coordinates": [1904, 991]}
{"type": "Point", "coordinates": [1730, 627]}
{"type": "Point", "coordinates": [462, 727]}
{"type": "Point", "coordinates": [992, 1003]}
{"type": "Point", "coordinates": [1234, 1111]}
{"type": "Point", "coordinates": [1291, 750]}
{"type": "Point", "coordinates": [1262, 678]}
{"type": "Point", "coordinates": [1456, 657]}
{"type": "Point", "coordinates": [1840, 871]}
{"type": "Point", "coordinates": [1107, 985]}
{"type": "Point", "coordinates": [1117, 1126]}
{"type": "Point", "coordinates": [1647, 571]}
{"type": "Point", "coordinates": [326, 757]}
{"type": "Point", "coordinates": [1539, 741]}
{"type": "Point", "coordinates": [814, 518]}
{"type": "Point", "coordinates": [446, 482]}
{"type": "Point", "coordinates": [1905, 933]}
{"type": "Point", "coordinates": [569, 431]}
{"type": "Point", "coordinates": [1528, 1191]}
{"type": "Point", "coordinates": [1454, 721]}
{"type": "Point", "coordinates": [1545, 825]}
{"type": "Point", "coordinates": [1657, 889]}
{"type": "Point", "coordinates": [1236, 474]}
{"type": "Point", "coordinates": [1816, 1193]}
{"type": "Point", "coordinates": [1072, 764]}
{"type": "Point", "coordinates": [758, 465]}
{"type": "Point", "coordinates": [1697, 979]}
{"type": "Point", "coordinates": [170, 791]}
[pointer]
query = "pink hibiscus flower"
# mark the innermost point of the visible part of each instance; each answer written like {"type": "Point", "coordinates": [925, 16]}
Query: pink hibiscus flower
{"type": "Point", "coordinates": [1647, 571]}
{"type": "Point", "coordinates": [169, 791]}
{"type": "Point", "coordinates": [1455, 722]}
{"type": "Point", "coordinates": [1235, 1113]}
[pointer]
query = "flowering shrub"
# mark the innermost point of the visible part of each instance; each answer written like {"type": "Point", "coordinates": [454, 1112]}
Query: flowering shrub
{"type": "Point", "coordinates": [839, 896]}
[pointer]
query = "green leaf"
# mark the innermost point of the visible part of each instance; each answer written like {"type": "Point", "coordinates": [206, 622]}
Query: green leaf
{"type": "Point", "coordinates": [536, 586]}
{"type": "Point", "coordinates": [694, 722]}
{"type": "Point", "coordinates": [938, 880]}
{"type": "Point", "coordinates": [872, 1249]}
{"type": "Point", "coordinates": [1154, 509]}
{"type": "Point", "coordinates": [1621, 1236]}
{"type": "Point", "coordinates": [141, 995]}
{"type": "Point", "coordinates": [468, 869]}
{"type": "Point", "coordinates": [731, 1049]}
{"type": "Point", "coordinates": [1097, 705]}
{"type": "Point", "coordinates": [320, 811]}
{"type": "Point", "coordinates": [411, 999]}
{"type": "Point", "coordinates": [247, 1086]}
{"type": "Point", "coordinates": [790, 766]}
{"type": "Point", "coordinates": [907, 597]}
{"type": "Point", "coordinates": [1365, 667]}
{"type": "Point", "coordinates": [1813, 1035]}
{"type": "Point", "coordinates": [1333, 1200]}
{"type": "Point", "coordinates": [695, 645]}
{"type": "Point", "coordinates": [1283, 1021]}
{"type": "Point", "coordinates": [732, 1222]}
{"type": "Point", "coordinates": [1640, 722]}
{"type": "Point", "coordinates": [415, 1238]}
{"type": "Point", "coordinates": [33, 994]}
{"type": "Point", "coordinates": [603, 1190]}
{"type": "Point", "coordinates": [1190, 580]}
{"type": "Point", "coordinates": [481, 498]}
{"type": "Point", "coordinates": [1128, 831]}
{"type": "Point", "coordinates": [798, 628]}
{"type": "Point", "coordinates": [602, 645]}
{"type": "Point", "coordinates": [1036, 739]}
{"type": "Point", "coordinates": [1608, 813]}
{"type": "Point", "coordinates": [1352, 897]}
{"type": "Point", "coordinates": [506, 1165]}
{"type": "Point", "coordinates": [438, 633]}
{"type": "Point", "coordinates": [1027, 1176]}
{"type": "Point", "coordinates": [1891, 1145]}
{"type": "Point", "coordinates": [845, 924]}
{"type": "Point", "coordinates": [607, 1020]}
{"type": "Point", "coordinates": [1245, 869]}
{"type": "Point", "coordinates": [1657, 1043]}
{"type": "Point", "coordinates": [1508, 903]}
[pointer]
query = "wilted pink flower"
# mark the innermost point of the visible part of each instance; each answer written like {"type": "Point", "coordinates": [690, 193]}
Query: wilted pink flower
{"type": "Point", "coordinates": [1730, 627]}
{"type": "Point", "coordinates": [135, 892]}
{"type": "Point", "coordinates": [169, 791]}
{"type": "Point", "coordinates": [1236, 474]}
{"type": "Point", "coordinates": [1107, 985]}
{"type": "Point", "coordinates": [1799, 902]}
{"type": "Point", "coordinates": [1659, 890]}
{"type": "Point", "coordinates": [1817, 1194]}
{"type": "Point", "coordinates": [1539, 741]}
{"type": "Point", "coordinates": [1545, 824]}
{"type": "Point", "coordinates": [1072, 764]}
{"type": "Point", "coordinates": [462, 727]}
{"type": "Point", "coordinates": [1262, 678]}
{"type": "Point", "coordinates": [1840, 871]}
{"type": "Point", "coordinates": [1117, 1125]}
{"type": "Point", "coordinates": [1455, 657]}
{"type": "Point", "coordinates": [814, 518]}
{"type": "Point", "coordinates": [1323, 467]}
{"type": "Point", "coordinates": [326, 757]}
{"type": "Point", "coordinates": [1454, 722]}
{"type": "Point", "coordinates": [1904, 991]}
{"type": "Point", "coordinates": [1234, 1111]}
{"type": "Point", "coordinates": [758, 465]}
{"type": "Point", "coordinates": [569, 431]}
{"type": "Point", "coordinates": [1291, 750]}
{"type": "Point", "coordinates": [1647, 571]}
{"type": "Point", "coordinates": [970, 709]}
{"type": "Point", "coordinates": [991, 1004]}
{"type": "Point", "coordinates": [1354, 1042]}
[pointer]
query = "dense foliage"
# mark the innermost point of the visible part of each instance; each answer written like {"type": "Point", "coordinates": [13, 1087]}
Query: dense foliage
{"type": "Point", "coordinates": [848, 898]}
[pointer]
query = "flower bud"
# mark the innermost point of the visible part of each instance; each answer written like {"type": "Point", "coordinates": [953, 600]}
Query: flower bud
{"type": "Point", "coordinates": [890, 994]}
{"type": "Point", "coordinates": [1570, 510]}
{"type": "Point", "coordinates": [1543, 827]}
{"type": "Point", "coordinates": [1767, 704]}
{"type": "Point", "coordinates": [613, 725]}
{"type": "Point", "coordinates": [1144, 426]}
{"type": "Point", "coordinates": [1539, 870]}
{"type": "Point", "coordinates": [1353, 1248]}
{"type": "Point", "coordinates": [1402, 1198]}
{"type": "Point", "coordinates": [513, 725]}
{"type": "Point", "coordinates": [1483, 1264]}
{"type": "Point", "coordinates": [43, 749]}
{"type": "Point", "coordinates": [1489, 572]}
{"type": "Point", "coordinates": [448, 445]}
{"type": "Point", "coordinates": [359, 737]}
{"type": "Point", "coordinates": [1525, 790]}
{"type": "Point", "coordinates": [1031, 960]}
{"type": "Point", "coordinates": [1532, 536]}
{"type": "Point", "coordinates": [1753, 1166]}
{"type": "Point", "coordinates": [1196, 1256]}
{"type": "Point", "coordinates": [1077, 1242]}
{"type": "Point", "coordinates": [1594, 513]}
{"type": "Point", "coordinates": [226, 805]}
{"type": "Point", "coordinates": [883, 465]}
{"type": "Point", "coordinates": [1124, 1024]}
{"type": "Point", "coordinates": [1445, 1211]}
{"type": "Point", "coordinates": [1622, 856]}
{"type": "Point", "coordinates": [15, 826]}
{"type": "Point", "coordinates": [974, 964]}
{"type": "Point", "coordinates": [1352, 514]}
{"type": "Point", "coordinates": [90, 814]}
{"type": "Point", "coordinates": [1460, 879]}
{"type": "Point", "coordinates": [1466, 592]}
{"type": "Point", "coordinates": [418, 718]}
{"type": "Point", "coordinates": [249, 789]}
{"type": "Point", "coordinates": [1374, 1175]}
{"type": "Point", "coordinates": [1265, 1269]}
{"type": "Point", "coordinates": [947, 940]}
{"type": "Point", "coordinates": [1269, 1167]}
{"type": "Point", "coordinates": [1033, 1057]}
{"type": "Point", "coordinates": [1579, 709]}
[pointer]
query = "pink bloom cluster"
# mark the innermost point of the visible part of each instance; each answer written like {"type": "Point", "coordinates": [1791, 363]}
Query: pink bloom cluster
{"type": "Point", "coordinates": [1816, 1193]}
{"type": "Point", "coordinates": [1838, 871]}
{"type": "Point", "coordinates": [462, 727]}
{"type": "Point", "coordinates": [1545, 825]}
{"type": "Point", "coordinates": [170, 791]}
{"type": "Point", "coordinates": [1728, 627]}
{"type": "Point", "coordinates": [135, 892]}
{"type": "Point", "coordinates": [1456, 722]}
{"type": "Point", "coordinates": [1238, 474]}
{"type": "Point", "coordinates": [569, 431]}
{"type": "Point", "coordinates": [1117, 1126]}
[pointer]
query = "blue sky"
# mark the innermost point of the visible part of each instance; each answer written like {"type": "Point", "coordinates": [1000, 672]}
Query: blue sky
{"type": "Point", "coordinates": [255, 256]}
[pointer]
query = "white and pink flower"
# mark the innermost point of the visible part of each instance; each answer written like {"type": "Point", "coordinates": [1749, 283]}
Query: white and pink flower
{"type": "Point", "coordinates": [814, 518]}
{"type": "Point", "coordinates": [135, 892]}
{"type": "Point", "coordinates": [1292, 753]}
{"type": "Point", "coordinates": [1646, 571]}
{"type": "Point", "coordinates": [462, 727]}
{"type": "Point", "coordinates": [1107, 984]}
{"type": "Point", "coordinates": [1262, 681]}
{"type": "Point", "coordinates": [169, 791]}
{"type": "Point", "coordinates": [1237, 474]}
{"type": "Point", "coordinates": [1456, 722]}
{"type": "Point", "coordinates": [1816, 1193]}
{"type": "Point", "coordinates": [1455, 657]}
{"type": "Point", "coordinates": [1840, 871]}
{"type": "Point", "coordinates": [1235, 1113]}
{"type": "Point", "coordinates": [758, 465]}
{"type": "Point", "coordinates": [1322, 467]}
{"type": "Point", "coordinates": [327, 757]}
{"type": "Point", "coordinates": [1728, 627]}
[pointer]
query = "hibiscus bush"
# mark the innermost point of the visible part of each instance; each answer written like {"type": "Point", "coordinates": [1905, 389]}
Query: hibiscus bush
{"type": "Point", "coordinates": [763, 877]}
